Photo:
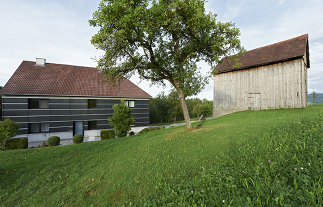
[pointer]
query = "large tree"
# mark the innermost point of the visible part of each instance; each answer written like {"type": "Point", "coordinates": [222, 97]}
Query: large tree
{"type": "Point", "coordinates": [161, 41]}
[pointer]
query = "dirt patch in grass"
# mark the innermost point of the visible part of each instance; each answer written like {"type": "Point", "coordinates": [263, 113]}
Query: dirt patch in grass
{"type": "Point", "coordinates": [203, 128]}
{"type": "Point", "coordinates": [210, 127]}
{"type": "Point", "coordinates": [116, 196]}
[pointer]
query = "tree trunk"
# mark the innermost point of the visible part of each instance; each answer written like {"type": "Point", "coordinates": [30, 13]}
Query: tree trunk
{"type": "Point", "coordinates": [184, 108]}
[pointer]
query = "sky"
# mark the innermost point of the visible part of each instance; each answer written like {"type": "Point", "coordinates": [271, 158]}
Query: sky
{"type": "Point", "coordinates": [58, 30]}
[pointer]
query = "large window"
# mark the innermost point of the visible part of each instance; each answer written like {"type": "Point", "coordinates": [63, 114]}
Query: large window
{"type": "Point", "coordinates": [38, 127]}
{"type": "Point", "coordinates": [130, 104]}
{"type": "Point", "coordinates": [38, 103]}
{"type": "Point", "coordinates": [92, 125]}
{"type": "Point", "coordinates": [91, 103]}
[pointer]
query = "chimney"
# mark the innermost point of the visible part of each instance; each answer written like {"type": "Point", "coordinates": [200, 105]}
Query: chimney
{"type": "Point", "coordinates": [40, 61]}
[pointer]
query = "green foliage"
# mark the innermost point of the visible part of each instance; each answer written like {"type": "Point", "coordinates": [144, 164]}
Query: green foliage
{"type": "Point", "coordinates": [131, 133]}
{"type": "Point", "coordinates": [317, 96]}
{"type": "Point", "coordinates": [148, 129]}
{"type": "Point", "coordinates": [53, 141]}
{"type": "Point", "coordinates": [166, 108]}
{"type": "Point", "coordinates": [121, 120]}
{"type": "Point", "coordinates": [107, 134]}
{"type": "Point", "coordinates": [78, 138]}
{"type": "Point", "coordinates": [43, 144]}
{"type": "Point", "coordinates": [205, 109]}
{"type": "Point", "coordinates": [162, 41]}
{"type": "Point", "coordinates": [314, 96]}
{"type": "Point", "coordinates": [17, 143]}
{"type": "Point", "coordinates": [246, 159]}
{"type": "Point", "coordinates": [8, 128]}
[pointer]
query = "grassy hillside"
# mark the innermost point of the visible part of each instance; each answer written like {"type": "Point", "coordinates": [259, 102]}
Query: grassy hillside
{"type": "Point", "coordinates": [262, 158]}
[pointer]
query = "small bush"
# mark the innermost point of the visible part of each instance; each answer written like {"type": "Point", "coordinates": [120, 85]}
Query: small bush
{"type": "Point", "coordinates": [131, 133]}
{"type": "Point", "coordinates": [121, 120]}
{"type": "Point", "coordinates": [107, 134]}
{"type": "Point", "coordinates": [43, 144]}
{"type": "Point", "coordinates": [8, 128]}
{"type": "Point", "coordinates": [150, 129]}
{"type": "Point", "coordinates": [77, 139]}
{"type": "Point", "coordinates": [17, 143]}
{"type": "Point", "coordinates": [54, 141]}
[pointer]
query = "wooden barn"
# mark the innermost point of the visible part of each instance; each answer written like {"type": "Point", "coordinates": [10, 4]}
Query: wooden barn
{"type": "Point", "coordinates": [269, 77]}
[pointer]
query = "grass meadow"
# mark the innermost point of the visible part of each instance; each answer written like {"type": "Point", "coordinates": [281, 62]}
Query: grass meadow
{"type": "Point", "coordinates": [252, 158]}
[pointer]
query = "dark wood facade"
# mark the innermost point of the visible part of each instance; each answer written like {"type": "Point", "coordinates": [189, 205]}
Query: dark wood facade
{"type": "Point", "coordinates": [62, 111]}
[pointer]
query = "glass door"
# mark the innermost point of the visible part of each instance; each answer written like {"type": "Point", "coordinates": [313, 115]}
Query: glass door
{"type": "Point", "coordinates": [78, 128]}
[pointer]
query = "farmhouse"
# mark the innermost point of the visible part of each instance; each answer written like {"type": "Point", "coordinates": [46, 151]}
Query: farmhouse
{"type": "Point", "coordinates": [269, 77]}
{"type": "Point", "coordinates": [48, 99]}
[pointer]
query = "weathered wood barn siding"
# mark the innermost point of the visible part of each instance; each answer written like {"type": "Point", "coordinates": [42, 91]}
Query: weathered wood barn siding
{"type": "Point", "coordinates": [281, 85]}
{"type": "Point", "coordinates": [271, 77]}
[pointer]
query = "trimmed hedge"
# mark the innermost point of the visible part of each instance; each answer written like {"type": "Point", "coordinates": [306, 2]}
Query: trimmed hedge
{"type": "Point", "coordinates": [54, 141]}
{"type": "Point", "coordinates": [107, 134]}
{"type": "Point", "coordinates": [131, 133]}
{"type": "Point", "coordinates": [77, 139]}
{"type": "Point", "coordinates": [17, 143]}
{"type": "Point", "coordinates": [150, 129]}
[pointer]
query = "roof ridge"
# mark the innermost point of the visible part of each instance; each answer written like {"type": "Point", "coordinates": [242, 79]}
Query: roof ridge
{"type": "Point", "coordinates": [285, 50]}
{"type": "Point", "coordinates": [281, 42]}
{"type": "Point", "coordinates": [62, 64]}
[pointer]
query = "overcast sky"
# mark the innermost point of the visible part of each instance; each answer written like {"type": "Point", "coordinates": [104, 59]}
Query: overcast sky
{"type": "Point", "coordinates": [58, 30]}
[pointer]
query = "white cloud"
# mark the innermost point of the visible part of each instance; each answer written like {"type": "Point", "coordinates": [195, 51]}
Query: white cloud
{"type": "Point", "coordinates": [43, 29]}
{"type": "Point", "coordinates": [281, 2]}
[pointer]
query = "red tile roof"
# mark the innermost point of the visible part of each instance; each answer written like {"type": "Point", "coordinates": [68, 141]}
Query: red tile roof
{"type": "Point", "coordinates": [67, 80]}
{"type": "Point", "coordinates": [275, 53]}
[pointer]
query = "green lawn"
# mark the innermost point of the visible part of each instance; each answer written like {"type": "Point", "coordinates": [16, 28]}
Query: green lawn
{"type": "Point", "coordinates": [263, 158]}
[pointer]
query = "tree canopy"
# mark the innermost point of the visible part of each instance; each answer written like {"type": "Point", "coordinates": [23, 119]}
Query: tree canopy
{"type": "Point", "coordinates": [162, 41]}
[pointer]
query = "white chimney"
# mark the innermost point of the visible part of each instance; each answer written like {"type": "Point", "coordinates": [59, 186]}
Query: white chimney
{"type": "Point", "coordinates": [40, 61]}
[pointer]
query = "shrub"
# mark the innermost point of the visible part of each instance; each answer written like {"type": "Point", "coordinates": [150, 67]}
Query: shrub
{"type": "Point", "coordinates": [131, 133]}
{"type": "Point", "coordinates": [54, 141]}
{"type": "Point", "coordinates": [8, 128]}
{"type": "Point", "coordinates": [121, 119]}
{"type": "Point", "coordinates": [148, 129]}
{"type": "Point", "coordinates": [43, 144]}
{"type": "Point", "coordinates": [77, 139]}
{"type": "Point", "coordinates": [107, 134]}
{"type": "Point", "coordinates": [17, 143]}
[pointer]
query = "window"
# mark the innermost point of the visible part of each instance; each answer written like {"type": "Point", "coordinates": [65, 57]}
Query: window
{"type": "Point", "coordinates": [38, 127]}
{"type": "Point", "coordinates": [34, 128]}
{"type": "Point", "coordinates": [33, 103]}
{"type": "Point", "coordinates": [44, 127]}
{"type": "Point", "coordinates": [43, 104]}
{"type": "Point", "coordinates": [37, 103]}
{"type": "Point", "coordinates": [130, 104]}
{"type": "Point", "coordinates": [91, 103]}
{"type": "Point", "coordinates": [92, 125]}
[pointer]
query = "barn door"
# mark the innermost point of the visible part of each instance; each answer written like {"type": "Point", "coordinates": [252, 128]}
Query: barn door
{"type": "Point", "coordinates": [254, 100]}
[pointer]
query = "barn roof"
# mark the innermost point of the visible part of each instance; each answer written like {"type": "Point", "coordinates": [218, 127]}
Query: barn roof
{"type": "Point", "coordinates": [67, 80]}
{"type": "Point", "coordinates": [275, 53]}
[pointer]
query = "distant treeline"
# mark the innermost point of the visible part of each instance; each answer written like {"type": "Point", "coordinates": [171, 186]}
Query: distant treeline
{"type": "Point", "coordinates": [318, 99]}
{"type": "Point", "coordinates": [167, 108]}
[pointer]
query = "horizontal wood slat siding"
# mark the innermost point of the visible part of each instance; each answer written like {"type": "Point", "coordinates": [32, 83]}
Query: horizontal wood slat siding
{"type": "Point", "coordinates": [62, 112]}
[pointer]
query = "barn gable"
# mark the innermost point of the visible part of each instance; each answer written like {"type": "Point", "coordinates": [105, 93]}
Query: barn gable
{"type": "Point", "coordinates": [269, 77]}
{"type": "Point", "coordinates": [283, 51]}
